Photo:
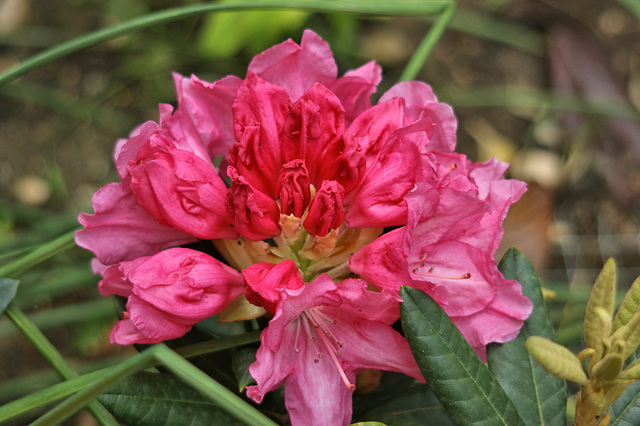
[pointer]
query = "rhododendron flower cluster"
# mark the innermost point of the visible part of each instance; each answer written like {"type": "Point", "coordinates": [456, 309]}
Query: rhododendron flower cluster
{"type": "Point", "coordinates": [318, 206]}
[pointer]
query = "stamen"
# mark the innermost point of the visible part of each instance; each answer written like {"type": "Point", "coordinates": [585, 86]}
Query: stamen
{"type": "Point", "coordinates": [125, 314]}
{"type": "Point", "coordinates": [345, 379]}
{"type": "Point", "coordinates": [429, 273]}
{"type": "Point", "coordinates": [295, 343]}
{"type": "Point", "coordinates": [311, 338]}
{"type": "Point", "coordinates": [452, 167]}
{"type": "Point", "coordinates": [322, 320]}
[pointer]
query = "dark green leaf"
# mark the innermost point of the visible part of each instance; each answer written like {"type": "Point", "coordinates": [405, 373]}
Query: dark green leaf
{"type": "Point", "coordinates": [8, 289]}
{"type": "Point", "coordinates": [539, 396]}
{"type": "Point", "coordinates": [409, 406]}
{"type": "Point", "coordinates": [625, 411]}
{"type": "Point", "coordinates": [461, 381]}
{"type": "Point", "coordinates": [157, 399]}
{"type": "Point", "coordinates": [242, 358]}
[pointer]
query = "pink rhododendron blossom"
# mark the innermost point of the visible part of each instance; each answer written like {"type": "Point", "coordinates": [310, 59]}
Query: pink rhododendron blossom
{"type": "Point", "coordinates": [322, 335]}
{"type": "Point", "coordinates": [309, 197]}
{"type": "Point", "coordinates": [168, 293]}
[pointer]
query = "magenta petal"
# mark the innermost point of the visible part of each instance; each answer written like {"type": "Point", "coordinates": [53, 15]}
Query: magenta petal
{"type": "Point", "coordinates": [316, 395]}
{"type": "Point", "coordinates": [204, 114]}
{"type": "Point", "coordinates": [500, 321]}
{"type": "Point", "coordinates": [422, 104]}
{"type": "Point", "coordinates": [126, 333]}
{"type": "Point", "coordinates": [185, 283]}
{"type": "Point", "coordinates": [180, 189]}
{"type": "Point", "coordinates": [295, 67]}
{"type": "Point", "coordinates": [355, 88]}
{"type": "Point", "coordinates": [383, 262]}
{"type": "Point", "coordinates": [153, 323]}
{"type": "Point", "coordinates": [121, 230]}
{"type": "Point", "coordinates": [259, 112]}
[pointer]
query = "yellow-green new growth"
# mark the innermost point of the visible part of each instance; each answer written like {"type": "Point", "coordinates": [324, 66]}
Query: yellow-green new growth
{"type": "Point", "coordinates": [609, 343]}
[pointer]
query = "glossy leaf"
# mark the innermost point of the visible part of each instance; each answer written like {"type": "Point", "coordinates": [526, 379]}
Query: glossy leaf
{"type": "Point", "coordinates": [157, 399]}
{"type": "Point", "coordinates": [539, 396]}
{"type": "Point", "coordinates": [240, 361]}
{"type": "Point", "coordinates": [8, 289]}
{"type": "Point", "coordinates": [412, 407]}
{"type": "Point", "coordinates": [461, 381]}
{"type": "Point", "coordinates": [602, 296]}
{"type": "Point", "coordinates": [556, 359]}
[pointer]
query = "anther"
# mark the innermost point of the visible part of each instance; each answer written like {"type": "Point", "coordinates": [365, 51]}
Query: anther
{"type": "Point", "coordinates": [429, 273]}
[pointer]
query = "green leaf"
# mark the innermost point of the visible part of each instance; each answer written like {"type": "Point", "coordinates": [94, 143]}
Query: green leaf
{"type": "Point", "coordinates": [157, 399]}
{"type": "Point", "coordinates": [461, 381]}
{"type": "Point", "coordinates": [242, 358]}
{"type": "Point", "coordinates": [410, 405]}
{"type": "Point", "coordinates": [556, 359]}
{"type": "Point", "coordinates": [539, 396]}
{"type": "Point", "coordinates": [602, 296]}
{"type": "Point", "coordinates": [625, 410]}
{"type": "Point", "coordinates": [8, 289]}
{"type": "Point", "coordinates": [629, 305]}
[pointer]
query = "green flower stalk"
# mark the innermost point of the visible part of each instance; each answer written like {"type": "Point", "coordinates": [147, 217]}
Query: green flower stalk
{"type": "Point", "coordinates": [609, 342]}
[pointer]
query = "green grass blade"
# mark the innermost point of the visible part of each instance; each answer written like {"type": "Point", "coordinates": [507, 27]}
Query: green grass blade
{"type": "Point", "coordinates": [71, 314]}
{"type": "Point", "coordinates": [71, 405]}
{"type": "Point", "coordinates": [428, 43]}
{"type": "Point", "coordinates": [397, 7]}
{"type": "Point", "coordinates": [523, 97]}
{"type": "Point", "coordinates": [53, 357]}
{"type": "Point", "coordinates": [46, 396]}
{"type": "Point", "coordinates": [499, 31]}
{"type": "Point", "coordinates": [539, 396]}
{"type": "Point", "coordinates": [232, 403]}
{"type": "Point", "coordinates": [39, 255]}
{"type": "Point", "coordinates": [8, 289]}
{"type": "Point", "coordinates": [633, 6]}
{"type": "Point", "coordinates": [461, 381]}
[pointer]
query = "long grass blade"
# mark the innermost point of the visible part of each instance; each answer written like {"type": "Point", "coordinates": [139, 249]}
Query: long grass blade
{"type": "Point", "coordinates": [428, 43]}
{"type": "Point", "coordinates": [397, 7]}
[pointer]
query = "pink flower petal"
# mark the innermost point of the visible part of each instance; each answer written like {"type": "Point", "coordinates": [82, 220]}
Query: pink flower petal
{"type": "Point", "coordinates": [121, 230]}
{"type": "Point", "coordinates": [204, 115]}
{"type": "Point", "coordinates": [355, 88]}
{"type": "Point", "coordinates": [181, 190]}
{"type": "Point", "coordinates": [422, 104]}
{"type": "Point", "coordinates": [294, 67]}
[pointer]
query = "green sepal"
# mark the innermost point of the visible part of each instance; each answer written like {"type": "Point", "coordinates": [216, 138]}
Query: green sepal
{"type": "Point", "coordinates": [556, 359]}
{"type": "Point", "coordinates": [629, 306]}
{"type": "Point", "coordinates": [602, 296]}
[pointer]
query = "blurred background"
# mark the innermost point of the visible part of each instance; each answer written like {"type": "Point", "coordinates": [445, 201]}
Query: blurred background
{"type": "Point", "coordinates": [551, 86]}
